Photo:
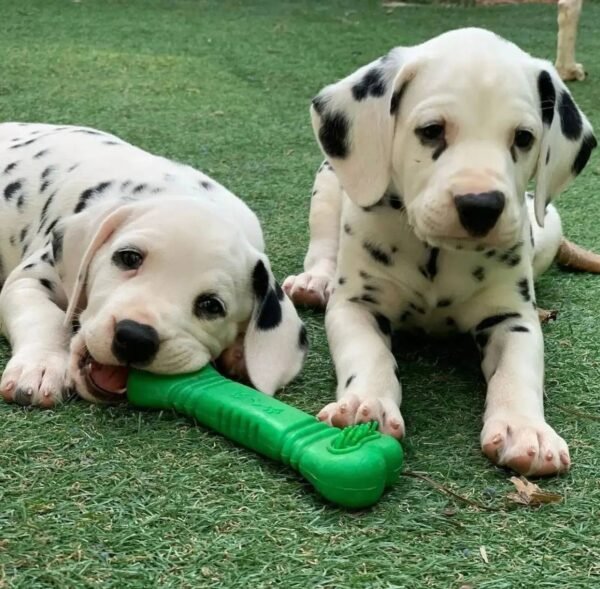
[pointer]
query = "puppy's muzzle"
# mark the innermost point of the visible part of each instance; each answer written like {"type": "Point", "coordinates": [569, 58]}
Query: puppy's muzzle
{"type": "Point", "coordinates": [478, 213]}
{"type": "Point", "coordinates": [134, 343]}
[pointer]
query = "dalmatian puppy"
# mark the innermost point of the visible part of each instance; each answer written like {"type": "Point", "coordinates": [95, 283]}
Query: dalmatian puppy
{"type": "Point", "coordinates": [155, 265]}
{"type": "Point", "coordinates": [419, 220]}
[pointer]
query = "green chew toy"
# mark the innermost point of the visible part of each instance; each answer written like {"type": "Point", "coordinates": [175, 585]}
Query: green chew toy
{"type": "Point", "coordinates": [351, 467]}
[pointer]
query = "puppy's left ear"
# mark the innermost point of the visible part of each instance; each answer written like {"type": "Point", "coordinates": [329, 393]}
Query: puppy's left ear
{"type": "Point", "coordinates": [567, 138]}
{"type": "Point", "coordinates": [275, 344]}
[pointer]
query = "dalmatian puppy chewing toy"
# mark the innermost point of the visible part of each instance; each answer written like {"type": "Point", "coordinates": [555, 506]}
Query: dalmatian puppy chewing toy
{"type": "Point", "coordinates": [158, 266]}
{"type": "Point", "coordinates": [420, 220]}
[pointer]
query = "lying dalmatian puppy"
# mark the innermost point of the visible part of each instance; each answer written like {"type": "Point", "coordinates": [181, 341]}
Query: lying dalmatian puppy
{"type": "Point", "coordinates": [158, 265]}
{"type": "Point", "coordinates": [419, 220]}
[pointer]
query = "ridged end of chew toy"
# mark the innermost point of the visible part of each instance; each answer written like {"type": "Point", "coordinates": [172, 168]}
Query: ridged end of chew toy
{"type": "Point", "coordinates": [354, 435]}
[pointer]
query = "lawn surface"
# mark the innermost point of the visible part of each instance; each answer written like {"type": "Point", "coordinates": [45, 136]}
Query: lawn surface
{"type": "Point", "coordinates": [96, 497]}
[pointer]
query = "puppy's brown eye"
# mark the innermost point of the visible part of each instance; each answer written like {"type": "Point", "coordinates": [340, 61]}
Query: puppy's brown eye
{"type": "Point", "coordinates": [209, 306]}
{"type": "Point", "coordinates": [128, 259]}
{"type": "Point", "coordinates": [523, 139]}
{"type": "Point", "coordinates": [430, 133]}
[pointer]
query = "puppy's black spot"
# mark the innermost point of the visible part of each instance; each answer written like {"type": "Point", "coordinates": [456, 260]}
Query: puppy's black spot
{"type": "Point", "coordinates": [444, 303]}
{"type": "Point", "coordinates": [490, 253]}
{"type": "Point", "coordinates": [371, 288]}
{"type": "Point", "coordinates": [139, 188]}
{"type": "Point", "coordinates": [21, 201]}
{"type": "Point", "coordinates": [439, 150]}
{"type": "Point", "coordinates": [260, 280]}
{"type": "Point", "coordinates": [347, 229]}
{"type": "Point", "coordinates": [279, 291]}
{"type": "Point", "coordinates": [90, 193]}
{"type": "Point", "coordinates": [47, 172]}
{"type": "Point", "coordinates": [548, 156]}
{"type": "Point", "coordinates": [367, 298]}
{"type": "Point", "coordinates": [377, 254]}
{"type": "Point", "coordinates": [303, 338]}
{"type": "Point", "coordinates": [479, 274]}
{"type": "Point", "coordinates": [44, 213]}
{"type": "Point", "coordinates": [341, 280]}
{"type": "Point", "coordinates": [50, 227]}
{"type": "Point", "coordinates": [11, 189]}
{"type": "Point", "coordinates": [430, 269]}
{"type": "Point", "coordinates": [397, 98]}
{"type": "Point", "coordinates": [571, 123]}
{"type": "Point", "coordinates": [364, 274]}
{"type": "Point", "coordinates": [29, 266]}
{"type": "Point", "coordinates": [40, 154]}
{"type": "Point", "coordinates": [349, 381]}
{"type": "Point", "coordinates": [57, 244]}
{"type": "Point", "coordinates": [73, 167]}
{"type": "Point", "coordinates": [384, 324]}
{"type": "Point", "coordinates": [519, 329]}
{"type": "Point", "coordinates": [24, 144]}
{"type": "Point", "coordinates": [23, 234]}
{"type": "Point", "coordinates": [13, 240]}
{"type": "Point", "coordinates": [125, 185]}
{"type": "Point", "coordinates": [493, 320]}
{"type": "Point", "coordinates": [10, 167]}
{"type": "Point", "coordinates": [588, 144]}
{"type": "Point", "coordinates": [416, 308]}
{"type": "Point", "coordinates": [111, 143]}
{"type": "Point", "coordinates": [269, 315]}
{"type": "Point", "coordinates": [450, 322]}
{"type": "Point", "coordinates": [523, 286]}
{"type": "Point", "coordinates": [481, 339]}
{"type": "Point", "coordinates": [547, 97]}
{"type": "Point", "coordinates": [333, 134]}
{"type": "Point", "coordinates": [46, 283]}
{"type": "Point", "coordinates": [45, 257]}
{"type": "Point", "coordinates": [372, 84]}
{"type": "Point", "coordinates": [395, 201]}
{"type": "Point", "coordinates": [405, 316]}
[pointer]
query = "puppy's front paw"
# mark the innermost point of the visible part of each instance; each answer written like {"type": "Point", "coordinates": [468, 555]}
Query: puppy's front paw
{"type": "Point", "coordinates": [529, 447]}
{"type": "Point", "coordinates": [36, 378]}
{"type": "Point", "coordinates": [350, 409]}
{"type": "Point", "coordinates": [309, 289]}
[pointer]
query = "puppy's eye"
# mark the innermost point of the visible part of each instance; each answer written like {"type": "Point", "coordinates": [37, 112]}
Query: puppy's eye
{"type": "Point", "coordinates": [430, 133]}
{"type": "Point", "coordinates": [209, 306]}
{"type": "Point", "coordinates": [128, 258]}
{"type": "Point", "coordinates": [523, 139]}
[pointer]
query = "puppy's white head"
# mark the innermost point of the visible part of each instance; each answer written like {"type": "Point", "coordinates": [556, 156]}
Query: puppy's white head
{"type": "Point", "coordinates": [457, 127]}
{"type": "Point", "coordinates": [167, 285]}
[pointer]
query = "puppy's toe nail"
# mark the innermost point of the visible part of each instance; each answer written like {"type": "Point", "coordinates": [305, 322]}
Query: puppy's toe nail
{"type": "Point", "coordinates": [549, 455]}
{"type": "Point", "coordinates": [564, 458]}
{"type": "Point", "coordinates": [531, 451]}
{"type": "Point", "coordinates": [366, 411]}
{"type": "Point", "coordinates": [497, 439]}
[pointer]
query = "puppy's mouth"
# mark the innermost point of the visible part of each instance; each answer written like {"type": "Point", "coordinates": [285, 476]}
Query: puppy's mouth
{"type": "Point", "coordinates": [106, 382]}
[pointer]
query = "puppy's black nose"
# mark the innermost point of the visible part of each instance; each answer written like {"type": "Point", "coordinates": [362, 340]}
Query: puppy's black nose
{"type": "Point", "coordinates": [478, 213]}
{"type": "Point", "coordinates": [134, 343]}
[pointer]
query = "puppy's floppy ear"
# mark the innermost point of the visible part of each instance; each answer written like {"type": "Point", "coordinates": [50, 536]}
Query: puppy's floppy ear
{"type": "Point", "coordinates": [567, 138]}
{"type": "Point", "coordinates": [275, 344]}
{"type": "Point", "coordinates": [354, 121]}
{"type": "Point", "coordinates": [76, 240]}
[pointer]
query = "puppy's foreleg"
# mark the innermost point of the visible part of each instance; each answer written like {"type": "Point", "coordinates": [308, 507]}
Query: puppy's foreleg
{"type": "Point", "coordinates": [368, 388]}
{"type": "Point", "coordinates": [313, 286]}
{"type": "Point", "coordinates": [33, 322]}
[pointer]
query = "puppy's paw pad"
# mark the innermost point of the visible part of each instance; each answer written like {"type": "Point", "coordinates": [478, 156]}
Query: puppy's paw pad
{"type": "Point", "coordinates": [529, 447]}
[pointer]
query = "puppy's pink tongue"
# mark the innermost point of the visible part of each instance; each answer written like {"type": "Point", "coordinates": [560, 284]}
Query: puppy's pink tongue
{"type": "Point", "coordinates": [110, 378]}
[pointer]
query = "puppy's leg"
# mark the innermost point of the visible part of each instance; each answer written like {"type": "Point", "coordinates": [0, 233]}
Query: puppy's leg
{"type": "Point", "coordinates": [313, 286]}
{"type": "Point", "coordinates": [368, 387]}
{"type": "Point", "coordinates": [568, 21]}
{"type": "Point", "coordinates": [33, 322]}
{"type": "Point", "coordinates": [515, 433]}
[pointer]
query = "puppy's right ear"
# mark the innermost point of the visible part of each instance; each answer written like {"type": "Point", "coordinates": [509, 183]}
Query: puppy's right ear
{"type": "Point", "coordinates": [75, 240]}
{"type": "Point", "coordinates": [354, 121]}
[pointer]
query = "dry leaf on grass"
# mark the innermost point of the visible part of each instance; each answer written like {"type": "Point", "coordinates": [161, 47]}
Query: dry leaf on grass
{"type": "Point", "coordinates": [484, 555]}
{"type": "Point", "coordinates": [530, 494]}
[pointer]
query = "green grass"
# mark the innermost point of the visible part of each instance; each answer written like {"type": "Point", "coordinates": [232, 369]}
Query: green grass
{"type": "Point", "coordinates": [96, 497]}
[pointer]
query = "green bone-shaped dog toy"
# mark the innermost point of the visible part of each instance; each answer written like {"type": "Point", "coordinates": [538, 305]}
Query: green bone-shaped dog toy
{"type": "Point", "coordinates": [351, 467]}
